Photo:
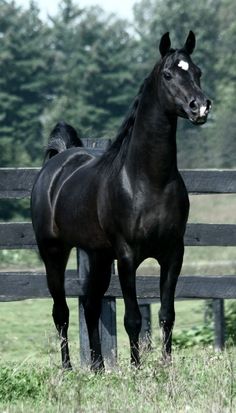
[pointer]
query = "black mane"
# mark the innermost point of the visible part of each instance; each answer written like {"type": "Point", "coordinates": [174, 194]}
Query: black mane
{"type": "Point", "coordinates": [120, 144]}
{"type": "Point", "coordinates": [115, 154]}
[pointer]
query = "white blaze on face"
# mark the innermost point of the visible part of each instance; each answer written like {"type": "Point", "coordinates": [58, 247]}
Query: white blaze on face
{"type": "Point", "coordinates": [203, 110]}
{"type": "Point", "coordinates": [184, 65]}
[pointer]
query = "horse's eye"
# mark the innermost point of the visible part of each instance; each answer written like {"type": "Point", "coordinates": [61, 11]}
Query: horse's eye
{"type": "Point", "coordinates": [167, 75]}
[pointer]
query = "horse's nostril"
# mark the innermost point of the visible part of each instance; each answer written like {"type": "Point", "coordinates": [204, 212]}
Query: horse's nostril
{"type": "Point", "coordinates": [208, 104]}
{"type": "Point", "coordinates": [193, 105]}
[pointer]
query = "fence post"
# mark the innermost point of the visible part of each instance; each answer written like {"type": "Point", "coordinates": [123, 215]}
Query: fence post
{"type": "Point", "coordinates": [107, 324]}
{"type": "Point", "coordinates": [107, 329]}
{"type": "Point", "coordinates": [145, 333]}
{"type": "Point", "coordinates": [83, 268]}
{"type": "Point", "coordinates": [219, 323]}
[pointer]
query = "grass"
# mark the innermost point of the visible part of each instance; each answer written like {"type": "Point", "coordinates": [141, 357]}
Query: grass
{"type": "Point", "coordinates": [196, 381]}
{"type": "Point", "coordinates": [28, 332]}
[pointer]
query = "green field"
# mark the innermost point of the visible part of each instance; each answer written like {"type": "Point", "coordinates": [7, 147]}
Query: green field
{"type": "Point", "coordinates": [28, 332]}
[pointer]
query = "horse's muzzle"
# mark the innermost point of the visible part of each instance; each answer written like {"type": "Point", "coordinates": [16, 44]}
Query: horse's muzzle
{"type": "Point", "coordinates": [198, 111]}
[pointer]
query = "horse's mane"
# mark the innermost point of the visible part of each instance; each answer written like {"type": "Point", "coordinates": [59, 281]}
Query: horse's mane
{"type": "Point", "coordinates": [115, 154]}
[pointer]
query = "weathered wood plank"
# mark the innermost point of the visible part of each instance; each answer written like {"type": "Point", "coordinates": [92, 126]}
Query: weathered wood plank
{"type": "Point", "coordinates": [210, 181]}
{"type": "Point", "coordinates": [101, 143]}
{"type": "Point", "coordinates": [210, 234]}
{"type": "Point", "coordinates": [19, 235]}
{"type": "Point", "coordinates": [18, 182]}
{"type": "Point", "coordinates": [20, 286]}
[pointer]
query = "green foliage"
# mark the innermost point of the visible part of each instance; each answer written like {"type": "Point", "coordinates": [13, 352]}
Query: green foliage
{"type": "Point", "coordinates": [19, 383]}
{"type": "Point", "coordinates": [196, 336]}
{"type": "Point", "coordinates": [15, 209]}
{"type": "Point", "coordinates": [203, 334]}
{"type": "Point", "coordinates": [93, 65]}
{"type": "Point", "coordinates": [230, 322]}
{"type": "Point", "coordinates": [23, 83]}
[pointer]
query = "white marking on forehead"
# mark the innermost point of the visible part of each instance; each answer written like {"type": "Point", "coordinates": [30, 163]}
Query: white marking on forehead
{"type": "Point", "coordinates": [203, 110]}
{"type": "Point", "coordinates": [184, 65]}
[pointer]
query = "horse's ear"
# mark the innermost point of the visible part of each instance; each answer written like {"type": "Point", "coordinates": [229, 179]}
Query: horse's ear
{"type": "Point", "coordinates": [165, 44]}
{"type": "Point", "coordinates": [190, 43]}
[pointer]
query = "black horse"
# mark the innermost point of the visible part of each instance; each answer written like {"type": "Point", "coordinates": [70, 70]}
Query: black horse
{"type": "Point", "coordinates": [129, 204]}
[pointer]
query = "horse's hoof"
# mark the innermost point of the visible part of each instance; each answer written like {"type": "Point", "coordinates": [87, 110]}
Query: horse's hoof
{"type": "Point", "coordinates": [135, 363]}
{"type": "Point", "coordinates": [67, 366]}
{"type": "Point", "coordinates": [98, 367]}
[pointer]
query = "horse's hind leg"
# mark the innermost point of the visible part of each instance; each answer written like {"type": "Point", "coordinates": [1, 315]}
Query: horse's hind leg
{"type": "Point", "coordinates": [170, 270]}
{"type": "Point", "coordinates": [96, 284]}
{"type": "Point", "coordinates": [55, 257]}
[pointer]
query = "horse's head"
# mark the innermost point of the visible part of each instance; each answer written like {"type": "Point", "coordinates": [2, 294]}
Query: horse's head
{"type": "Point", "coordinates": [179, 82]}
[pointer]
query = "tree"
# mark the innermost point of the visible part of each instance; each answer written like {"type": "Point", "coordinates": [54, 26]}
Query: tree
{"type": "Point", "coordinates": [94, 63]}
{"type": "Point", "coordinates": [24, 87]}
{"type": "Point", "coordinates": [223, 132]}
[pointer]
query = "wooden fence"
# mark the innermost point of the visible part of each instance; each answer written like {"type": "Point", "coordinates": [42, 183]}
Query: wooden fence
{"type": "Point", "coordinates": [17, 183]}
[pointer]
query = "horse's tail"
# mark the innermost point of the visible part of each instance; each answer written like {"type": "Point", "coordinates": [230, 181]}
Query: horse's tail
{"type": "Point", "coordinates": [62, 137]}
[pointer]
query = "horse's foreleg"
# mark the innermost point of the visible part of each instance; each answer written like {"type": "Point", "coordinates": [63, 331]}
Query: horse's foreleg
{"type": "Point", "coordinates": [132, 318]}
{"type": "Point", "coordinates": [96, 284]}
{"type": "Point", "coordinates": [55, 258]}
{"type": "Point", "coordinates": [170, 270]}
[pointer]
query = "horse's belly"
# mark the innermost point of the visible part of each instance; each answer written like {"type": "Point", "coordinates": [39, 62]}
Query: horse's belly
{"type": "Point", "coordinates": [83, 233]}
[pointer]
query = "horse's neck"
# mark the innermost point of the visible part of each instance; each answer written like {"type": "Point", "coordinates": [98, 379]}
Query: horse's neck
{"type": "Point", "coordinates": [152, 149]}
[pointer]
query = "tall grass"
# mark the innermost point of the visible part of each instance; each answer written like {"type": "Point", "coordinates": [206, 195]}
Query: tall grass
{"type": "Point", "coordinates": [196, 381]}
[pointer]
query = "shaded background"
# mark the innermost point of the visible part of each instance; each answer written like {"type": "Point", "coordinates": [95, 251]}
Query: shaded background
{"type": "Point", "coordinates": [85, 66]}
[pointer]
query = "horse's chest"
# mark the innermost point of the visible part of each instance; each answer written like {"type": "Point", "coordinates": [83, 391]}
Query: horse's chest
{"type": "Point", "coordinates": [159, 217]}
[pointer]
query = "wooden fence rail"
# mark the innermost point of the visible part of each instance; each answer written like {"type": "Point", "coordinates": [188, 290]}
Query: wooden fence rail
{"type": "Point", "coordinates": [17, 183]}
